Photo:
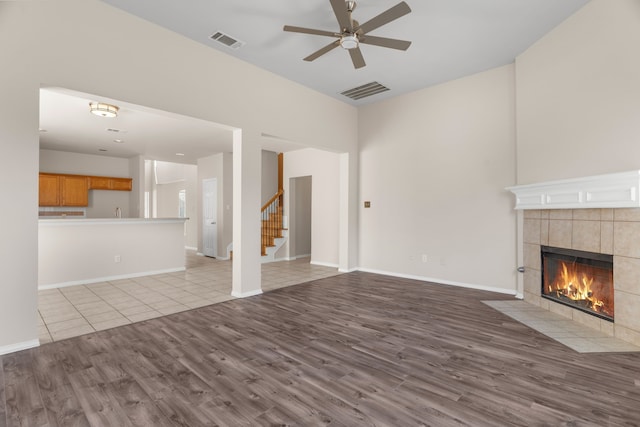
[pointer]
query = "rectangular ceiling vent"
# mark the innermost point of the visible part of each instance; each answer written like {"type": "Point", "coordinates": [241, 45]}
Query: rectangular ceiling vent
{"type": "Point", "coordinates": [227, 40]}
{"type": "Point", "coordinates": [363, 91]}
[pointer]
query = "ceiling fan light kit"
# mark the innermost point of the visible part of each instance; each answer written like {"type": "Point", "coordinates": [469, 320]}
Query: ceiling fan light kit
{"type": "Point", "coordinates": [103, 109]}
{"type": "Point", "coordinates": [349, 41]}
{"type": "Point", "coordinates": [352, 33]}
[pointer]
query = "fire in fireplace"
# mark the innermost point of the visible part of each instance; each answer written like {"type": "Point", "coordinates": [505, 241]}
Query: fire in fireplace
{"type": "Point", "coordinates": [579, 279]}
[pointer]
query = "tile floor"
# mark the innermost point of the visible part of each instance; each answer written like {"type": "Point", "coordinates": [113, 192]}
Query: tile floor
{"type": "Point", "coordinates": [76, 310]}
{"type": "Point", "coordinates": [574, 335]}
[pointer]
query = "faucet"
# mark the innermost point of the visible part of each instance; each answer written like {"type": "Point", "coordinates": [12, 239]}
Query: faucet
{"type": "Point", "coordinates": [118, 213]}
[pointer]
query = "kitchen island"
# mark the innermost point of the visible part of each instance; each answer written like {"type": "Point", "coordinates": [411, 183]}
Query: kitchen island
{"type": "Point", "coordinates": [74, 251]}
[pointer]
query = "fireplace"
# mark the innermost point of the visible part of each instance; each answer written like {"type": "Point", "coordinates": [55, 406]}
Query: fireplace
{"type": "Point", "coordinates": [579, 279]}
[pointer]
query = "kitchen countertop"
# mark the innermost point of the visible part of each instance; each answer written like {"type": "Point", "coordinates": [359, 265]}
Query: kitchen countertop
{"type": "Point", "coordinates": [94, 221]}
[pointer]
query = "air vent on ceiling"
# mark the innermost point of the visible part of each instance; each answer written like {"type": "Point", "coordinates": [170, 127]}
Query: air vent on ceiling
{"type": "Point", "coordinates": [363, 91]}
{"type": "Point", "coordinates": [227, 40]}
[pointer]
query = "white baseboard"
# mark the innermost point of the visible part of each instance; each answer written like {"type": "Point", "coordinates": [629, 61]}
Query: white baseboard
{"type": "Point", "coordinates": [350, 270]}
{"type": "Point", "coordinates": [301, 256]}
{"type": "Point", "coordinates": [12, 348]}
{"type": "Point", "coordinates": [191, 248]}
{"type": "Point", "coordinates": [441, 281]}
{"type": "Point", "coordinates": [108, 278]}
{"type": "Point", "coordinates": [246, 294]}
{"type": "Point", "coordinates": [199, 254]}
{"type": "Point", "coordinates": [293, 258]}
{"type": "Point", "coordinates": [323, 264]}
{"type": "Point", "coordinates": [221, 258]}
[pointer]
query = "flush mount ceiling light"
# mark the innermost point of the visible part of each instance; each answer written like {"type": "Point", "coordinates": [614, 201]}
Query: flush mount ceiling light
{"type": "Point", "coordinates": [103, 110]}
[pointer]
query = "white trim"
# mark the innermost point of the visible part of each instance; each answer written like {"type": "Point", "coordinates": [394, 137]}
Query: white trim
{"type": "Point", "coordinates": [247, 294]}
{"type": "Point", "coordinates": [191, 248]}
{"type": "Point", "coordinates": [350, 270]}
{"type": "Point", "coordinates": [109, 221]}
{"type": "Point", "coordinates": [323, 264]}
{"type": "Point", "coordinates": [615, 190]}
{"type": "Point", "coordinates": [441, 281]}
{"type": "Point", "coordinates": [221, 258]}
{"type": "Point", "coordinates": [199, 254]}
{"type": "Point", "coordinates": [24, 345]}
{"type": "Point", "coordinates": [293, 258]}
{"type": "Point", "coordinates": [108, 278]}
{"type": "Point", "coordinates": [519, 295]}
{"type": "Point", "coordinates": [301, 256]}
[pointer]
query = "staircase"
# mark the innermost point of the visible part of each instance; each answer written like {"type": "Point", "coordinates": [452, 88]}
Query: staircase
{"type": "Point", "coordinates": [273, 233]}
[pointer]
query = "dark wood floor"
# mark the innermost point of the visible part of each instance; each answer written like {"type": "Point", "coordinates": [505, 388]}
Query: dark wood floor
{"type": "Point", "coordinates": [356, 349]}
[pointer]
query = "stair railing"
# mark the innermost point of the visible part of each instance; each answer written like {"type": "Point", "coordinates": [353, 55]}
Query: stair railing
{"type": "Point", "coordinates": [271, 215]}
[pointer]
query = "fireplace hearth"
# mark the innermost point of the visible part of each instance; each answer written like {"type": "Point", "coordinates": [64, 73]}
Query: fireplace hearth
{"type": "Point", "coordinates": [579, 279]}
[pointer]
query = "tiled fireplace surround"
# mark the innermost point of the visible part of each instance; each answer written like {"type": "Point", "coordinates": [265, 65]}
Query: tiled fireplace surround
{"type": "Point", "coordinates": [607, 231]}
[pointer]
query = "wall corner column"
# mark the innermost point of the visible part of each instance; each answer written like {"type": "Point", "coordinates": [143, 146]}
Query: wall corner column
{"type": "Point", "coordinates": [247, 165]}
{"type": "Point", "coordinates": [349, 204]}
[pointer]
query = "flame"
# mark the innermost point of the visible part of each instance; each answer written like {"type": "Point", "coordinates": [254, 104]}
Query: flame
{"type": "Point", "coordinates": [576, 287]}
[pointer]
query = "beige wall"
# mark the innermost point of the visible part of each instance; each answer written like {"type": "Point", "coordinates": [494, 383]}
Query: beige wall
{"type": "Point", "coordinates": [62, 44]}
{"type": "Point", "coordinates": [434, 165]}
{"type": "Point", "coordinates": [324, 169]}
{"type": "Point", "coordinates": [578, 96]}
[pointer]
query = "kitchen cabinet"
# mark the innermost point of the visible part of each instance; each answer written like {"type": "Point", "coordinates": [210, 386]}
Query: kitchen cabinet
{"type": "Point", "coordinates": [109, 183]}
{"type": "Point", "coordinates": [49, 190]}
{"type": "Point", "coordinates": [73, 190]}
{"type": "Point", "coordinates": [63, 190]}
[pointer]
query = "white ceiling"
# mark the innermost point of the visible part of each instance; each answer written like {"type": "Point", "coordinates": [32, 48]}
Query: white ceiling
{"type": "Point", "coordinates": [450, 39]}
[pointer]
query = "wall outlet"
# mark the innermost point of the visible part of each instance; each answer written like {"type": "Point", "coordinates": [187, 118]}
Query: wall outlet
{"type": "Point", "coordinates": [116, 258]}
{"type": "Point", "coordinates": [424, 257]}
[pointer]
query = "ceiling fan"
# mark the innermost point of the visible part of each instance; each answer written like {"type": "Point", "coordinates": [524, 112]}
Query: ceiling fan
{"type": "Point", "coordinates": [353, 33]}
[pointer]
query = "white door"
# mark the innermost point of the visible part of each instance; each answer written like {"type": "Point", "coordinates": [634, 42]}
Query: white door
{"type": "Point", "coordinates": [210, 215]}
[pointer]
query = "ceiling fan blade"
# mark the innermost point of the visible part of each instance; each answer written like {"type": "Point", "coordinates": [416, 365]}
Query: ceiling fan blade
{"type": "Point", "coordinates": [322, 51]}
{"type": "Point", "coordinates": [303, 30]}
{"type": "Point", "coordinates": [385, 42]}
{"type": "Point", "coordinates": [392, 14]}
{"type": "Point", "coordinates": [356, 57]}
{"type": "Point", "coordinates": [342, 14]}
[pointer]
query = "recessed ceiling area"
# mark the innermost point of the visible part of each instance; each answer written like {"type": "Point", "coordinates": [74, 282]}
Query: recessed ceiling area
{"type": "Point", "coordinates": [449, 38]}
{"type": "Point", "coordinates": [66, 124]}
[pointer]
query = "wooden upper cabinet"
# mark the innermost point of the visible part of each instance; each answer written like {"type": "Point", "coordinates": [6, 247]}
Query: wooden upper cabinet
{"type": "Point", "coordinates": [99, 183]}
{"type": "Point", "coordinates": [49, 190]}
{"type": "Point", "coordinates": [121, 184]}
{"type": "Point", "coordinates": [75, 190]}
{"type": "Point", "coordinates": [109, 183]}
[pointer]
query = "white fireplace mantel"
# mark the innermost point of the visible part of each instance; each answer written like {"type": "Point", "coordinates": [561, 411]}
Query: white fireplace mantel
{"type": "Point", "coordinates": [616, 190]}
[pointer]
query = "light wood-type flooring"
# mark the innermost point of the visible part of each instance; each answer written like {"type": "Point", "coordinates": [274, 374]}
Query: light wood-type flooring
{"type": "Point", "coordinates": [356, 349]}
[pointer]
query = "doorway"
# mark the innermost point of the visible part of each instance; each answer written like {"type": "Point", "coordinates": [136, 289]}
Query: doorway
{"type": "Point", "coordinates": [300, 217]}
{"type": "Point", "coordinates": [209, 217]}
